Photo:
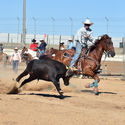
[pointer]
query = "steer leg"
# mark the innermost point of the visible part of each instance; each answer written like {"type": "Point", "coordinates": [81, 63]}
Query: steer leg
{"type": "Point", "coordinates": [22, 75]}
{"type": "Point", "coordinates": [31, 78]}
{"type": "Point", "coordinates": [57, 85]}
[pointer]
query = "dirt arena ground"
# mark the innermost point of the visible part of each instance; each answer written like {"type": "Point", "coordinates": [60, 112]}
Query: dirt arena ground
{"type": "Point", "coordinates": [39, 104]}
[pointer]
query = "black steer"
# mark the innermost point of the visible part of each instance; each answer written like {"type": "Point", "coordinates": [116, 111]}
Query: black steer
{"type": "Point", "coordinates": [46, 69]}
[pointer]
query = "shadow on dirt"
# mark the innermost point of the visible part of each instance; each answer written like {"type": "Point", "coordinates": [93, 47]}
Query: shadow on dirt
{"type": "Point", "coordinates": [91, 91]}
{"type": "Point", "coordinates": [48, 95]}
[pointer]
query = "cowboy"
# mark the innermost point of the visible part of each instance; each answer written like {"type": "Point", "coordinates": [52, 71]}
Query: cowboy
{"type": "Point", "coordinates": [15, 59]}
{"type": "Point", "coordinates": [70, 46]}
{"type": "Point", "coordinates": [34, 45]}
{"type": "Point", "coordinates": [82, 38]}
{"type": "Point", "coordinates": [61, 46]}
{"type": "Point", "coordinates": [42, 47]}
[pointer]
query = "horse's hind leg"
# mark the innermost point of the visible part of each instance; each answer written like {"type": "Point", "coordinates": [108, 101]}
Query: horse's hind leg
{"type": "Point", "coordinates": [22, 75]}
{"type": "Point", "coordinates": [31, 78]}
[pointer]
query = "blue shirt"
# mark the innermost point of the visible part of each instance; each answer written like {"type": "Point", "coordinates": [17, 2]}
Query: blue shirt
{"type": "Point", "coordinates": [70, 45]}
{"type": "Point", "coordinates": [42, 46]}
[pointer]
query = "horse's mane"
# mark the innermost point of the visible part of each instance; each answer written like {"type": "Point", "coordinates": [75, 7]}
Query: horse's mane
{"type": "Point", "coordinates": [92, 47]}
{"type": "Point", "coordinates": [97, 41]}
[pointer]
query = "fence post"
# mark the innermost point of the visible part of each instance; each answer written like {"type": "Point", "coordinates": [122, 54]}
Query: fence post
{"type": "Point", "coordinates": [47, 40]}
{"type": "Point", "coordinates": [123, 40]}
{"type": "Point", "coordinates": [8, 38]}
{"type": "Point", "coordinates": [21, 38]}
{"type": "Point", "coordinates": [59, 41]}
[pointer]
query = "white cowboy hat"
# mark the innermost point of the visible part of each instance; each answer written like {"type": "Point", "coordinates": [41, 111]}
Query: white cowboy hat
{"type": "Point", "coordinates": [87, 21]}
{"type": "Point", "coordinates": [70, 40]}
{"type": "Point", "coordinates": [61, 42]}
{"type": "Point", "coordinates": [15, 48]}
{"type": "Point", "coordinates": [41, 40]}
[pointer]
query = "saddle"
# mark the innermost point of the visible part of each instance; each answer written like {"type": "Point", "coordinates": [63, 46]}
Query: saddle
{"type": "Point", "coordinates": [83, 55]}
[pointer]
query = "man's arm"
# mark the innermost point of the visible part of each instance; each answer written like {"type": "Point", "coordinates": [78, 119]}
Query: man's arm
{"type": "Point", "coordinates": [78, 36]}
{"type": "Point", "coordinates": [90, 37]}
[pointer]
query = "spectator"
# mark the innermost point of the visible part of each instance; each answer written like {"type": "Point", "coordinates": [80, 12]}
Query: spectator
{"type": "Point", "coordinates": [15, 59]}
{"type": "Point", "coordinates": [42, 47]}
{"type": "Point", "coordinates": [70, 46]}
{"type": "Point", "coordinates": [61, 46]}
{"type": "Point", "coordinates": [34, 45]}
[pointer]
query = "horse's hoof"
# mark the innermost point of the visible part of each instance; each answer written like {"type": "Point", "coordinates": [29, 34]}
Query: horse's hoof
{"type": "Point", "coordinates": [96, 91]}
{"type": "Point", "coordinates": [87, 85]}
{"type": "Point", "coordinates": [61, 97]}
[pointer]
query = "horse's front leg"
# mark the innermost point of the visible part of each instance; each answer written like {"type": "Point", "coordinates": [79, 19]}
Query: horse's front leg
{"type": "Point", "coordinates": [95, 83]}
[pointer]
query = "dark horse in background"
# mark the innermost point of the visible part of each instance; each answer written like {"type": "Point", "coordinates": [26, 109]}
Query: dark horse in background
{"type": "Point", "coordinates": [90, 64]}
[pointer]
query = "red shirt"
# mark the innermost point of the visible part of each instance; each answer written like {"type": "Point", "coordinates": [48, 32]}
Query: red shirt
{"type": "Point", "coordinates": [33, 46]}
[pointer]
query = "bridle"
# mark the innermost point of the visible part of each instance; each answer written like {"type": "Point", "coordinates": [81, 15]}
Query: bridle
{"type": "Point", "coordinates": [107, 52]}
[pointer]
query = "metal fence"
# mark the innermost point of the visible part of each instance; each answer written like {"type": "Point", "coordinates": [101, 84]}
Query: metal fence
{"type": "Point", "coordinates": [111, 66]}
{"type": "Point", "coordinates": [123, 58]}
{"type": "Point", "coordinates": [50, 39]}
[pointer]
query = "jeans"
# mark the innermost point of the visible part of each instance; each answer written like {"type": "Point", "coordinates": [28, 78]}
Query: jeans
{"type": "Point", "coordinates": [15, 66]}
{"type": "Point", "coordinates": [77, 54]}
{"type": "Point", "coordinates": [42, 52]}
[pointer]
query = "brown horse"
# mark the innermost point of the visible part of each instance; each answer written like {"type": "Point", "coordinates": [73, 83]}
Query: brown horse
{"type": "Point", "coordinates": [90, 64]}
{"type": "Point", "coordinates": [28, 55]}
{"type": "Point", "coordinates": [59, 55]}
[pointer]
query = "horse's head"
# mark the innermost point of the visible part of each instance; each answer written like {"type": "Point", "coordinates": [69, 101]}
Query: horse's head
{"type": "Point", "coordinates": [24, 54]}
{"type": "Point", "coordinates": [24, 50]}
{"type": "Point", "coordinates": [108, 45]}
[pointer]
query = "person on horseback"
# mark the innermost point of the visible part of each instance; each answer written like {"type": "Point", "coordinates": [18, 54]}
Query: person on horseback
{"type": "Point", "coordinates": [34, 45]}
{"type": "Point", "coordinates": [42, 47]}
{"type": "Point", "coordinates": [70, 46]}
{"type": "Point", "coordinates": [61, 46]}
{"type": "Point", "coordinates": [83, 39]}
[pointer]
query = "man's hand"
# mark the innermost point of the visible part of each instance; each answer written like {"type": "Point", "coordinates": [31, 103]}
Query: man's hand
{"type": "Point", "coordinates": [87, 36]}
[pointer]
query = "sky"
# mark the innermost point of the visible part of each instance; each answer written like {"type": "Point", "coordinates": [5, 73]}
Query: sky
{"type": "Point", "coordinates": [63, 11]}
